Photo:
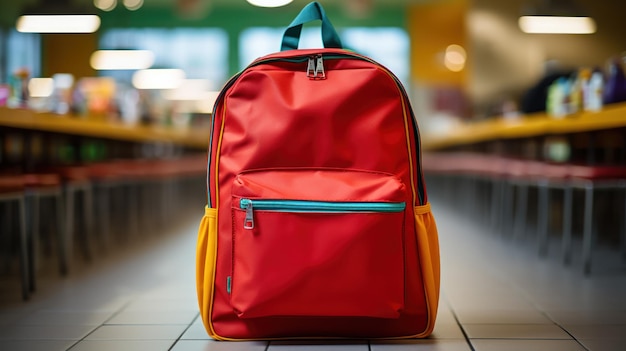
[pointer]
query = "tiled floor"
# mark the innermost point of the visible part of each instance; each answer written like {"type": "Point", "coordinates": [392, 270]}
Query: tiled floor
{"type": "Point", "coordinates": [496, 295]}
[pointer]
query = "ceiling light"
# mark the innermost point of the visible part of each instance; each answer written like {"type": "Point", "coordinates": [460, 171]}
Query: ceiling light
{"type": "Point", "coordinates": [121, 59]}
{"type": "Point", "coordinates": [133, 4]}
{"type": "Point", "coordinates": [556, 17]}
{"type": "Point", "coordinates": [105, 5]}
{"type": "Point", "coordinates": [158, 78]}
{"type": "Point", "coordinates": [557, 25]}
{"type": "Point", "coordinates": [454, 58]}
{"type": "Point", "coordinates": [269, 3]}
{"type": "Point", "coordinates": [58, 23]}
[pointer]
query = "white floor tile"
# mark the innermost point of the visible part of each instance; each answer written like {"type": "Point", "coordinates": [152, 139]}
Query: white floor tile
{"type": "Point", "coordinates": [137, 332]}
{"type": "Point", "coordinates": [599, 332]}
{"type": "Point", "coordinates": [447, 331]}
{"type": "Point", "coordinates": [162, 305]}
{"type": "Point", "coordinates": [45, 332]}
{"type": "Point", "coordinates": [318, 345]}
{"type": "Point", "coordinates": [36, 345]}
{"type": "Point", "coordinates": [420, 345]}
{"type": "Point", "coordinates": [199, 345]}
{"type": "Point", "coordinates": [526, 345]}
{"type": "Point", "coordinates": [501, 316]}
{"type": "Point", "coordinates": [198, 321]}
{"type": "Point", "coordinates": [125, 345]}
{"type": "Point", "coordinates": [196, 332]}
{"type": "Point", "coordinates": [603, 345]}
{"type": "Point", "coordinates": [485, 293]}
{"type": "Point", "coordinates": [445, 314]}
{"type": "Point", "coordinates": [65, 318]}
{"type": "Point", "coordinates": [515, 331]}
{"type": "Point", "coordinates": [172, 290]}
{"type": "Point", "coordinates": [151, 317]}
{"type": "Point", "coordinates": [7, 318]}
{"type": "Point", "coordinates": [588, 317]}
{"type": "Point", "coordinates": [70, 301]}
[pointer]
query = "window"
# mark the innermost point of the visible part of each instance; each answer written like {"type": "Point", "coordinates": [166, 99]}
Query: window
{"type": "Point", "coordinates": [387, 45]}
{"type": "Point", "coordinates": [201, 53]}
{"type": "Point", "coordinates": [20, 50]}
{"type": "Point", "coordinates": [260, 41]}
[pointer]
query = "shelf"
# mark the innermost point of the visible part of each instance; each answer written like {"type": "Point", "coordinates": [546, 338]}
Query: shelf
{"type": "Point", "coordinates": [65, 124]}
{"type": "Point", "coordinates": [612, 116]}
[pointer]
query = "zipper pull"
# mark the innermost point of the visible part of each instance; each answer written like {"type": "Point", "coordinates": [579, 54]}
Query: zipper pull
{"type": "Point", "coordinates": [310, 69]}
{"type": "Point", "coordinates": [319, 68]}
{"type": "Point", "coordinates": [248, 222]}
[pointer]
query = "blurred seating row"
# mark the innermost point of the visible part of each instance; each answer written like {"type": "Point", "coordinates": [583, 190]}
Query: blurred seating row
{"type": "Point", "coordinates": [93, 206]}
{"type": "Point", "coordinates": [509, 193]}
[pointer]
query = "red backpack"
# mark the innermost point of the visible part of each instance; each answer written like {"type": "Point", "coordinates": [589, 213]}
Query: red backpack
{"type": "Point", "coordinates": [317, 222]}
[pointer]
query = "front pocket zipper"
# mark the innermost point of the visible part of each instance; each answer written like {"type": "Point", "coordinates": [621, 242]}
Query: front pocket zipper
{"type": "Point", "coordinates": [314, 206]}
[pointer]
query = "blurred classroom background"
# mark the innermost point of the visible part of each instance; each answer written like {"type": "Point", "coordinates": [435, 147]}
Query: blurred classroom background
{"type": "Point", "coordinates": [105, 118]}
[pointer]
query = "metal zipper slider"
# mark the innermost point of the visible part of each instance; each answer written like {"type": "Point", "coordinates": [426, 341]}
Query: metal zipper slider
{"type": "Point", "coordinates": [319, 68]}
{"type": "Point", "coordinates": [248, 222]}
{"type": "Point", "coordinates": [310, 69]}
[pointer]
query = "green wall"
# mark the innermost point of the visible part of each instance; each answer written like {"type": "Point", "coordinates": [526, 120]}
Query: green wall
{"type": "Point", "coordinates": [234, 20]}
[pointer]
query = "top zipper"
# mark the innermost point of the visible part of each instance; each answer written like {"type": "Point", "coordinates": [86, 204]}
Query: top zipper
{"type": "Point", "coordinates": [315, 66]}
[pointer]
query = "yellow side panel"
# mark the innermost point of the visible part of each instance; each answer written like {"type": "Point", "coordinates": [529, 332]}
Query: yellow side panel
{"type": "Point", "coordinates": [428, 243]}
{"type": "Point", "coordinates": [206, 255]}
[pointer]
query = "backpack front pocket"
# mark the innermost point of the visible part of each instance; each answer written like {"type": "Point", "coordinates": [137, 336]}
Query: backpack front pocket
{"type": "Point", "coordinates": [317, 242]}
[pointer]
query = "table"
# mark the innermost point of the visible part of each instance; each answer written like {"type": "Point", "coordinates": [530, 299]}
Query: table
{"type": "Point", "coordinates": [535, 125]}
{"type": "Point", "coordinates": [196, 138]}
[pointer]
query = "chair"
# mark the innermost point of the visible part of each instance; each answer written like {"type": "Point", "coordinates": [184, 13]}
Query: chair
{"type": "Point", "coordinates": [77, 187]}
{"type": "Point", "coordinates": [12, 192]}
{"type": "Point", "coordinates": [568, 178]}
{"type": "Point", "coordinates": [589, 179]}
{"type": "Point", "coordinates": [106, 179]}
{"type": "Point", "coordinates": [40, 186]}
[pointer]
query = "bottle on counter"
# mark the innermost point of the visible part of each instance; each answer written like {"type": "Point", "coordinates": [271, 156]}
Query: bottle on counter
{"type": "Point", "coordinates": [5, 93]}
{"type": "Point", "coordinates": [576, 93]}
{"type": "Point", "coordinates": [18, 82]}
{"type": "Point", "coordinates": [593, 92]}
{"type": "Point", "coordinates": [615, 87]}
{"type": "Point", "coordinates": [62, 94]}
{"type": "Point", "coordinates": [558, 98]}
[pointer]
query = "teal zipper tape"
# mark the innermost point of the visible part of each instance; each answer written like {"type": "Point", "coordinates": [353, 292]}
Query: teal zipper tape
{"type": "Point", "coordinates": [322, 206]}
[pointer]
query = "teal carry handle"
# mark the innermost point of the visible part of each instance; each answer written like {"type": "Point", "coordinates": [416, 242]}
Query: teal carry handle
{"type": "Point", "coordinates": [310, 13]}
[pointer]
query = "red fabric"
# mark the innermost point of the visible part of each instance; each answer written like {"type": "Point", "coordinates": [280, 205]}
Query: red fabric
{"type": "Point", "coordinates": [319, 184]}
{"type": "Point", "coordinates": [337, 265]}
